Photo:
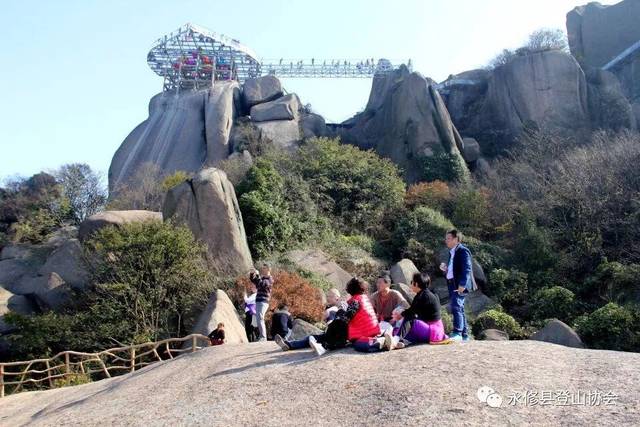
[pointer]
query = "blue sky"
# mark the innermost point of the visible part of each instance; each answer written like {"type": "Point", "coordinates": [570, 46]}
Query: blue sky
{"type": "Point", "coordinates": [75, 80]}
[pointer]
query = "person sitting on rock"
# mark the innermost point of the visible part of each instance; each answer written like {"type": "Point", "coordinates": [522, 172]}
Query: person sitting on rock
{"type": "Point", "coordinates": [281, 322]}
{"type": "Point", "coordinates": [363, 328]}
{"type": "Point", "coordinates": [264, 284]}
{"type": "Point", "coordinates": [250, 323]}
{"type": "Point", "coordinates": [333, 338]}
{"type": "Point", "coordinates": [421, 321]}
{"type": "Point", "coordinates": [386, 299]}
{"type": "Point", "coordinates": [216, 337]}
{"type": "Point", "coordinates": [332, 307]}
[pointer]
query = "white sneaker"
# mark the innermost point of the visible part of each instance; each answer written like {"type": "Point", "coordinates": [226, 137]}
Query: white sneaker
{"type": "Point", "coordinates": [318, 348]}
{"type": "Point", "coordinates": [397, 343]}
{"type": "Point", "coordinates": [388, 341]}
{"type": "Point", "coordinates": [283, 345]}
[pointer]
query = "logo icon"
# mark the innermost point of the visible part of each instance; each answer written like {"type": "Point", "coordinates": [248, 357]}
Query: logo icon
{"type": "Point", "coordinates": [489, 396]}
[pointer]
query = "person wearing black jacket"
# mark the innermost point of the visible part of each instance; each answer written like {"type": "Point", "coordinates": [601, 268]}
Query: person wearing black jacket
{"type": "Point", "coordinates": [421, 321]}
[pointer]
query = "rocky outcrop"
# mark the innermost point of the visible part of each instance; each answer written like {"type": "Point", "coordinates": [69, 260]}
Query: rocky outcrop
{"type": "Point", "coordinates": [282, 133]}
{"type": "Point", "coordinates": [403, 271]}
{"type": "Point", "coordinates": [207, 204]}
{"type": "Point", "coordinates": [14, 303]}
{"type": "Point", "coordinates": [405, 120]}
{"type": "Point", "coordinates": [284, 108]}
{"type": "Point", "coordinates": [303, 329]}
{"type": "Point", "coordinates": [221, 309]}
{"type": "Point", "coordinates": [608, 106]}
{"type": "Point", "coordinates": [42, 276]}
{"type": "Point", "coordinates": [257, 384]}
{"type": "Point", "coordinates": [313, 125]}
{"type": "Point", "coordinates": [261, 89]}
{"type": "Point", "coordinates": [114, 218]}
{"type": "Point", "coordinates": [316, 261]}
{"type": "Point", "coordinates": [493, 335]}
{"type": "Point", "coordinates": [558, 332]}
{"type": "Point", "coordinates": [183, 132]}
{"type": "Point", "coordinates": [598, 33]}
{"type": "Point", "coordinates": [539, 89]}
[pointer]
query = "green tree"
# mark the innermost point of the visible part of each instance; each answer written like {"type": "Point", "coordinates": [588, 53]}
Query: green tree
{"type": "Point", "coordinates": [83, 189]}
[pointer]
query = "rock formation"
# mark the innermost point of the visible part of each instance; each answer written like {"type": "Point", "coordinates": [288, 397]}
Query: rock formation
{"type": "Point", "coordinates": [207, 204]}
{"type": "Point", "coordinates": [541, 89]}
{"type": "Point", "coordinates": [105, 218]}
{"type": "Point", "coordinates": [40, 277]}
{"type": "Point", "coordinates": [221, 309]}
{"type": "Point", "coordinates": [316, 261]}
{"type": "Point", "coordinates": [183, 132]}
{"type": "Point", "coordinates": [598, 34]}
{"type": "Point", "coordinates": [195, 129]}
{"type": "Point", "coordinates": [405, 120]}
{"type": "Point", "coordinates": [558, 332]}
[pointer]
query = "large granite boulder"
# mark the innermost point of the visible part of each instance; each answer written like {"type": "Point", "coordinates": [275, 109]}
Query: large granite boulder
{"type": "Point", "coordinates": [558, 332]}
{"type": "Point", "coordinates": [406, 121]}
{"type": "Point", "coordinates": [405, 290]}
{"type": "Point", "coordinates": [538, 89]}
{"type": "Point", "coordinates": [284, 108]}
{"type": "Point", "coordinates": [316, 261]}
{"type": "Point", "coordinates": [403, 271]}
{"type": "Point", "coordinates": [183, 132]}
{"type": "Point", "coordinates": [261, 89]}
{"type": "Point", "coordinates": [116, 218]}
{"type": "Point", "coordinates": [303, 329]}
{"type": "Point", "coordinates": [547, 89]}
{"type": "Point", "coordinates": [282, 133]}
{"type": "Point", "coordinates": [207, 204]}
{"type": "Point", "coordinates": [471, 150]}
{"type": "Point", "coordinates": [221, 309]}
{"type": "Point", "coordinates": [13, 303]}
{"type": "Point", "coordinates": [598, 33]}
{"type": "Point", "coordinates": [313, 125]}
{"type": "Point", "coordinates": [493, 335]}
{"type": "Point", "coordinates": [608, 106]}
{"type": "Point", "coordinates": [67, 262]}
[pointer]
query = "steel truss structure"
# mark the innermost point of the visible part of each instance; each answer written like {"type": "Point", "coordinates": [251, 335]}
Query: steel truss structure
{"type": "Point", "coordinates": [193, 57]}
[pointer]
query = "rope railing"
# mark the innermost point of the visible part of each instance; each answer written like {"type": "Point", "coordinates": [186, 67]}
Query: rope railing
{"type": "Point", "coordinates": [52, 372]}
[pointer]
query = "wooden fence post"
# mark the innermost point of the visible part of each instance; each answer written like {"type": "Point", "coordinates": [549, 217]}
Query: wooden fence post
{"type": "Point", "coordinates": [49, 373]}
{"type": "Point", "coordinates": [1, 380]}
{"type": "Point", "coordinates": [193, 343]}
{"type": "Point", "coordinates": [133, 359]}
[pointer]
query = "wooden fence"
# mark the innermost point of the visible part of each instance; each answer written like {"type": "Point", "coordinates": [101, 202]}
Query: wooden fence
{"type": "Point", "coordinates": [52, 372]}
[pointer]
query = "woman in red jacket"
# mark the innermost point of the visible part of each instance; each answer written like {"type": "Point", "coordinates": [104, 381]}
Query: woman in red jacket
{"type": "Point", "coordinates": [363, 328]}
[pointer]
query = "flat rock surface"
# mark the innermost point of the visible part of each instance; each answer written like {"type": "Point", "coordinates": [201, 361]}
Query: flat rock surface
{"type": "Point", "coordinates": [257, 384]}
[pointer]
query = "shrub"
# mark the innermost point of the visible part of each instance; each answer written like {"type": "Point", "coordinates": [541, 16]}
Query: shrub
{"type": "Point", "coordinates": [156, 271]}
{"type": "Point", "coordinates": [547, 39]}
{"type": "Point", "coordinates": [447, 321]}
{"type": "Point", "coordinates": [613, 282]}
{"type": "Point", "coordinates": [509, 287]}
{"type": "Point", "coordinates": [265, 213]}
{"type": "Point", "coordinates": [443, 166]}
{"type": "Point", "coordinates": [495, 319]}
{"type": "Point", "coordinates": [470, 210]}
{"type": "Point", "coordinates": [424, 225]}
{"type": "Point", "coordinates": [554, 302]}
{"type": "Point", "coordinates": [176, 178]}
{"type": "Point", "coordinates": [358, 188]}
{"type": "Point", "coordinates": [143, 190]}
{"type": "Point", "coordinates": [299, 294]}
{"type": "Point", "coordinates": [435, 194]}
{"type": "Point", "coordinates": [611, 327]}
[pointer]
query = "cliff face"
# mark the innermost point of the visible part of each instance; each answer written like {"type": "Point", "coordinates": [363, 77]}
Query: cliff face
{"type": "Point", "coordinates": [598, 34]}
{"type": "Point", "coordinates": [405, 121]}
{"type": "Point", "coordinates": [183, 132]}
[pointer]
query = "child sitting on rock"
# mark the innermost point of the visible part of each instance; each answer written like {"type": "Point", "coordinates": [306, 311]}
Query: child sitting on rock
{"type": "Point", "coordinates": [333, 300]}
{"type": "Point", "coordinates": [216, 337]}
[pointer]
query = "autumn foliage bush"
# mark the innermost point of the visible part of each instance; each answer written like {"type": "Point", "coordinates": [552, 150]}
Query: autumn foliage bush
{"type": "Point", "coordinates": [299, 294]}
